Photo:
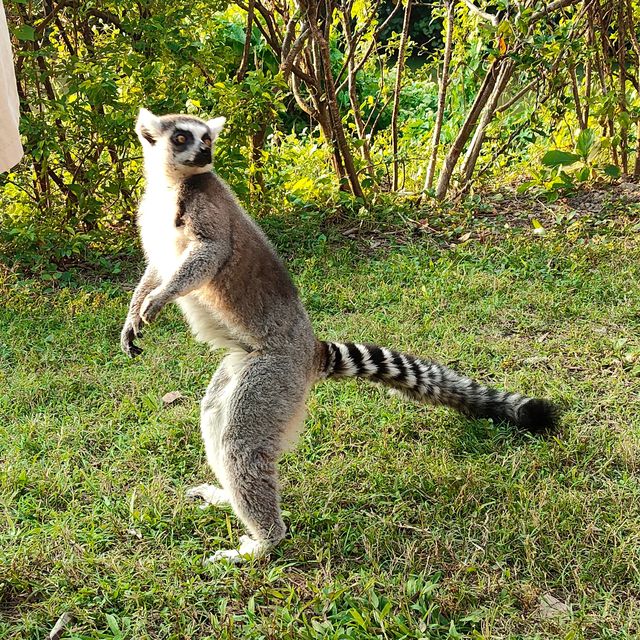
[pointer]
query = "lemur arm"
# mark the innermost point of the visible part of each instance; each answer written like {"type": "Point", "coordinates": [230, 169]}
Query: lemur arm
{"type": "Point", "coordinates": [200, 262]}
{"type": "Point", "coordinates": [131, 330]}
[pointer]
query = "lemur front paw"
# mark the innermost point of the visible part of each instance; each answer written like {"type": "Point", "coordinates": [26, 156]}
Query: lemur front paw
{"type": "Point", "coordinates": [152, 306]}
{"type": "Point", "coordinates": [130, 332]}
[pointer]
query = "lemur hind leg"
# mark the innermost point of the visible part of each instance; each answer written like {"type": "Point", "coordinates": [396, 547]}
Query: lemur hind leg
{"type": "Point", "coordinates": [213, 416]}
{"type": "Point", "coordinates": [266, 397]}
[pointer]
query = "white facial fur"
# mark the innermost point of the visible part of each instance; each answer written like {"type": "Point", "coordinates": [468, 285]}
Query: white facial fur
{"type": "Point", "coordinates": [176, 146]}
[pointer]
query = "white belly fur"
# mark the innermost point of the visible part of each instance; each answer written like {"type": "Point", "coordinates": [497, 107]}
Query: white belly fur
{"type": "Point", "coordinates": [158, 232]}
{"type": "Point", "coordinates": [206, 327]}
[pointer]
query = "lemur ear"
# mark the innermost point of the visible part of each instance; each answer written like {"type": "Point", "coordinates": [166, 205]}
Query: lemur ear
{"type": "Point", "coordinates": [147, 126]}
{"type": "Point", "coordinates": [215, 126]}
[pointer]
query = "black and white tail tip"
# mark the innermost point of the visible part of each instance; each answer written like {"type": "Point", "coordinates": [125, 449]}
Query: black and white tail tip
{"type": "Point", "coordinates": [432, 382]}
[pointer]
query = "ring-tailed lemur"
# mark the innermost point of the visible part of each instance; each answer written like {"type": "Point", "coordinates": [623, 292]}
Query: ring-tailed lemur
{"type": "Point", "coordinates": [205, 253]}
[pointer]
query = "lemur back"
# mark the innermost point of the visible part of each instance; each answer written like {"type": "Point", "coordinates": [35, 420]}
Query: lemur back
{"type": "Point", "coordinates": [205, 253]}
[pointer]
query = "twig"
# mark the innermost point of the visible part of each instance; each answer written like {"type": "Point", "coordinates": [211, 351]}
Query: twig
{"type": "Point", "coordinates": [550, 8]}
{"type": "Point", "coordinates": [482, 14]}
{"type": "Point", "coordinates": [58, 629]}
{"type": "Point", "coordinates": [517, 96]}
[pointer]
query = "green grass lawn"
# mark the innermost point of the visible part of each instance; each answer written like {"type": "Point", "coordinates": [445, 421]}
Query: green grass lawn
{"type": "Point", "coordinates": [405, 521]}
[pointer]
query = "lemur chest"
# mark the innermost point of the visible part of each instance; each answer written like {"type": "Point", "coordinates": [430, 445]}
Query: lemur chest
{"type": "Point", "coordinates": [163, 237]}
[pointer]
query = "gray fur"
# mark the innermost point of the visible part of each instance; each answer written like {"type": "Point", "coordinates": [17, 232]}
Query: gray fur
{"type": "Point", "coordinates": [205, 253]}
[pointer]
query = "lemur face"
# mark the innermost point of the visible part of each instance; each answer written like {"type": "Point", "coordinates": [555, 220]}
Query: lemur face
{"type": "Point", "coordinates": [182, 144]}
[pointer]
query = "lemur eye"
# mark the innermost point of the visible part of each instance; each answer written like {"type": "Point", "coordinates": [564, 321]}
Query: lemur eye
{"type": "Point", "coordinates": [207, 141]}
{"type": "Point", "coordinates": [180, 139]}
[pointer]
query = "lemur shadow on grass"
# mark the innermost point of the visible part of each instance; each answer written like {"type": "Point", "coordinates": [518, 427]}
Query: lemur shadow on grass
{"type": "Point", "coordinates": [472, 436]}
{"type": "Point", "coordinates": [479, 436]}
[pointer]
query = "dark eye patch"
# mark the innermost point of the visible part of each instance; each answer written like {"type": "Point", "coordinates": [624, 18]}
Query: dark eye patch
{"type": "Point", "coordinates": [181, 137]}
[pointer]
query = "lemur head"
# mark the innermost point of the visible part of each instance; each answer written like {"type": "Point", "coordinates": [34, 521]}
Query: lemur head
{"type": "Point", "coordinates": [177, 145]}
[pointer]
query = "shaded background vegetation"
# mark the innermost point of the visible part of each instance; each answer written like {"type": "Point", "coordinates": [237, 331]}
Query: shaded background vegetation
{"type": "Point", "coordinates": [322, 109]}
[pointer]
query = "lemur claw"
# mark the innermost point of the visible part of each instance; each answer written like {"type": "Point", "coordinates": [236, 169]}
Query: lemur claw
{"type": "Point", "coordinates": [128, 335]}
{"type": "Point", "coordinates": [134, 350]}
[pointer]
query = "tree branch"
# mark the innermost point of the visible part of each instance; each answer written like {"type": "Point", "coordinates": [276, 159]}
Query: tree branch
{"type": "Point", "coordinates": [551, 8]}
{"type": "Point", "coordinates": [356, 39]}
{"type": "Point", "coordinates": [475, 145]}
{"type": "Point", "coordinates": [490, 17]}
{"type": "Point", "coordinates": [511, 101]}
{"type": "Point", "coordinates": [244, 62]}
{"type": "Point", "coordinates": [51, 15]}
{"type": "Point", "coordinates": [287, 64]}
{"type": "Point", "coordinates": [463, 135]}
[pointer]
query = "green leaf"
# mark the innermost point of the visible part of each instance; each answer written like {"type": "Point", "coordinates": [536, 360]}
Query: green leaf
{"type": "Point", "coordinates": [612, 171]}
{"type": "Point", "coordinates": [25, 32]}
{"type": "Point", "coordinates": [525, 186]}
{"type": "Point", "coordinates": [585, 142]}
{"type": "Point", "coordinates": [583, 174]}
{"type": "Point", "coordinates": [355, 614]}
{"type": "Point", "coordinates": [566, 179]}
{"type": "Point", "coordinates": [112, 621]}
{"type": "Point", "coordinates": [556, 158]}
{"type": "Point", "coordinates": [624, 119]}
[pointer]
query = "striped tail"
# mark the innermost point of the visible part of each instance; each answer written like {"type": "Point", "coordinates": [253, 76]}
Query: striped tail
{"type": "Point", "coordinates": [431, 382]}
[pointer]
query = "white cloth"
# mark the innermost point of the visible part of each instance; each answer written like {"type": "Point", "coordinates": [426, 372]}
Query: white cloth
{"type": "Point", "coordinates": [10, 146]}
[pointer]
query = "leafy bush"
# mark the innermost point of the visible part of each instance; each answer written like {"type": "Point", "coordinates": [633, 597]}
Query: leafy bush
{"type": "Point", "coordinates": [83, 72]}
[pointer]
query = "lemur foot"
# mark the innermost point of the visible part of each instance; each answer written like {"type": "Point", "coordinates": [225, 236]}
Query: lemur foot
{"type": "Point", "coordinates": [211, 495]}
{"type": "Point", "coordinates": [250, 549]}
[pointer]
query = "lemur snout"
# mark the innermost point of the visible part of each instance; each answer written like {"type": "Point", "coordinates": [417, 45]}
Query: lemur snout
{"type": "Point", "coordinates": [203, 156]}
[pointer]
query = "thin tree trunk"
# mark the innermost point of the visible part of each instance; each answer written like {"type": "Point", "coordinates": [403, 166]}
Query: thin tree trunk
{"type": "Point", "coordinates": [636, 47]}
{"type": "Point", "coordinates": [622, 77]}
{"type": "Point", "coordinates": [481, 98]}
{"type": "Point", "coordinates": [576, 98]}
{"type": "Point", "coordinates": [352, 71]}
{"type": "Point", "coordinates": [604, 19]}
{"type": "Point", "coordinates": [442, 97]}
{"type": "Point", "coordinates": [244, 63]}
{"type": "Point", "coordinates": [334, 114]}
{"type": "Point", "coordinates": [636, 166]}
{"type": "Point", "coordinates": [465, 131]}
{"type": "Point", "coordinates": [396, 92]}
{"type": "Point", "coordinates": [257, 147]}
{"type": "Point", "coordinates": [473, 151]}
{"type": "Point", "coordinates": [600, 68]}
{"type": "Point", "coordinates": [324, 118]}
{"type": "Point", "coordinates": [587, 89]}
{"type": "Point", "coordinates": [587, 93]}
{"type": "Point", "coordinates": [365, 149]}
